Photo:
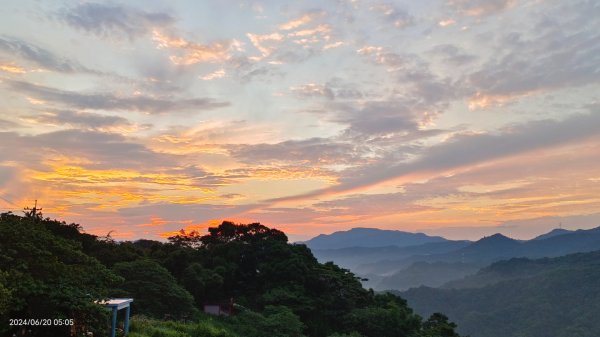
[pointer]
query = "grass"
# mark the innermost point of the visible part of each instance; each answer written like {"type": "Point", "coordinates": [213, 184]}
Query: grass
{"type": "Point", "coordinates": [204, 327]}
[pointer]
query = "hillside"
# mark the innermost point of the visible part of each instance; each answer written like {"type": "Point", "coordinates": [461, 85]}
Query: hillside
{"type": "Point", "coordinates": [51, 269]}
{"type": "Point", "coordinates": [554, 232]}
{"type": "Point", "coordinates": [432, 274]}
{"type": "Point", "coordinates": [521, 297]}
{"type": "Point", "coordinates": [369, 237]}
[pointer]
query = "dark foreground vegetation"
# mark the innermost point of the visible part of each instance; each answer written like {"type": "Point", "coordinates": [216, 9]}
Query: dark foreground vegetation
{"type": "Point", "coordinates": [50, 269]}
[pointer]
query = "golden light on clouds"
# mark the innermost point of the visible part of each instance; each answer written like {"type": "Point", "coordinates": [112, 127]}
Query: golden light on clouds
{"type": "Point", "coordinates": [192, 53]}
{"type": "Point", "coordinates": [313, 116]}
{"type": "Point", "coordinates": [446, 22]}
{"type": "Point", "coordinates": [303, 20]}
{"type": "Point", "coordinates": [12, 68]}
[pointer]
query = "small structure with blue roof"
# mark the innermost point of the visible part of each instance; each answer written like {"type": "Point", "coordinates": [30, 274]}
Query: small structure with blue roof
{"type": "Point", "coordinates": [116, 304]}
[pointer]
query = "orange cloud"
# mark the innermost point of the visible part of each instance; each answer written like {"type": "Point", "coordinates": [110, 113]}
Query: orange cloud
{"type": "Point", "coordinates": [483, 101]}
{"type": "Point", "coordinates": [297, 22]}
{"type": "Point", "coordinates": [12, 68]}
{"type": "Point", "coordinates": [259, 42]}
{"type": "Point", "coordinates": [194, 52]}
{"type": "Point", "coordinates": [446, 23]}
{"type": "Point", "coordinates": [320, 29]}
{"type": "Point", "coordinates": [214, 75]}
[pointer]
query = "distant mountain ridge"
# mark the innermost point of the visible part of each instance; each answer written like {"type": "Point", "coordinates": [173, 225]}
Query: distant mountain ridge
{"type": "Point", "coordinates": [498, 247]}
{"type": "Point", "coordinates": [435, 263]}
{"type": "Point", "coordinates": [370, 237]}
{"type": "Point", "coordinates": [552, 233]}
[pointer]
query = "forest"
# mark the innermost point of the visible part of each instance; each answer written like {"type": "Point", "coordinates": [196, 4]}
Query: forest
{"type": "Point", "coordinates": [521, 297]}
{"type": "Point", "coordinates": [51, 269]}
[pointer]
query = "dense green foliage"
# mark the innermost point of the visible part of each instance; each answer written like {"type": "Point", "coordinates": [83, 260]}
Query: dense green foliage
{"type": "Point", "coordinates": [46, 276]}
{"type": "Point", "coordinates": [156, 291]}
{"type": "Point", "coordinates": [51, 269]}
{"type": "Point", "coordinates": [520, 297]}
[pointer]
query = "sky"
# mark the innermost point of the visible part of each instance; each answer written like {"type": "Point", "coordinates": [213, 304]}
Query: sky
{"type": "Point", "coordinates": [459, 118]}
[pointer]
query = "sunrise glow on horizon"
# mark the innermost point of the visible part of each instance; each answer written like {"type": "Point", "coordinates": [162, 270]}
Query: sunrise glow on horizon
{"type": "Point", "coordinates": [459, 118]}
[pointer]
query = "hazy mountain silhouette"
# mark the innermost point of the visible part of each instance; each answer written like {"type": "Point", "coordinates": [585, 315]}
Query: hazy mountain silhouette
{"type": "Point", "coordinates": [554, 232]}
{"type": "Point", "coordinates": [352, 257]}
{"type": "Point", "coordinates": [435, 263]}
{"type": "Point", "coordinates": [369, 237]}
{"type": "Point", "coordinates": [496, 247]}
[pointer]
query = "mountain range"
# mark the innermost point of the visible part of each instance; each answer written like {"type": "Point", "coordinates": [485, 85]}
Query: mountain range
{"type": "Point", "coordinates": [369, 237]}
{"type": "Point", "coordinates": [438, 261]}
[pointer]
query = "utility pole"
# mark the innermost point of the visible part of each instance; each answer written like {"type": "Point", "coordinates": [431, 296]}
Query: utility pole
{"type": "Point", "coordinates": [33, 211]}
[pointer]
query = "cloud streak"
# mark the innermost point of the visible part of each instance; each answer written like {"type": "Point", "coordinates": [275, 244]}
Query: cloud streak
{"type": "Point", "coordinates": [38, 56]}
{"type": "Point", "coordinates": [108, 21]}
{"type": "Point", "coordinates": [109, 101]}
{"type": "Point", "coordinates": [466, 150]}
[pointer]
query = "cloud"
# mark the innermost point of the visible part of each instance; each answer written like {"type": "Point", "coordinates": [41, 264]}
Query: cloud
{"type": "Point", "coordinates": [452, 54]}
{"type": "Point", "coordinates": [100, 149]}
{"type": "Point", "coordinates": [38, 56]}
{"type": "Point", "coordinates": [80, 119]}
{"type": "Point", "coordinates": [343, 89]}
{"type": "Point", "coordinates": [481, 7]}
{"type": "Point", "coordinates": [281, 46]}
{"type": "Point", "coordinates": [465, 150]}
{"type": "Point", "coordinates": [516, 187]}
{"type": "Point", "coordinates": [446, 22]}
{"type": "Point", "coordinates": [308, 32]}
{"type": "Point", "coordinates": [556, 56]}
{"type": "Point", "coordinates": [12, 68]}
{"type": "Point", "coordinates": [317, 151]}
{"type": "Point", "coordinates": [313, 90]}
{"type": "Point", "coordinates": [6, 124]}
{"type": "Point", "coordinates": [260, 42]}
{"type": "Point", "coordinates": [220, 73]}
{"type": "Point", "coordinates": [524, 229]}
{"type": "Point", "coordinates": [175, 212]}
{"type": "Point", "coordinates": [258, 71]}
{"type": "Point", "coordinates": [293, 24]}
{"type": "Point", "coordinates": [376, 117]}
{"type": "Point", "coordinates": [106, 20]}
{"type": "Point", "coordinates": [470, 149]}
{"type": "Point", "coordinates": [109, 101]}
{"type": "Point", "coordinates": [192, 53]}
{"type": "Point", "coordinates": [392, 60]}
{"type": "Point", "coordinates": [392, 14]}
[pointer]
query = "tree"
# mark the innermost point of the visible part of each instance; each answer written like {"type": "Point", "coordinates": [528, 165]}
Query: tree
{"type": "Point", "coordinates": [203, 284]}
{"type": "Point", "coordinates": [154, 290]}
{"type": "Point", "coordinates": [388, 316]}
{"type": "Point", "coordinates": [438, 325]}
{"type": "Point", "coordinates": [229, 232]}
{"type": "Point", "coordinates": [47, 276]}
{"type": "Point", "coordinates": [186, 239]}
{"type": "Point", "coordinates": [5, 297]}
